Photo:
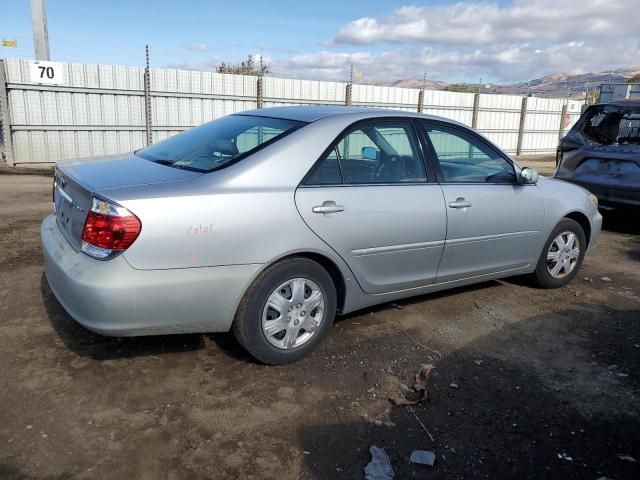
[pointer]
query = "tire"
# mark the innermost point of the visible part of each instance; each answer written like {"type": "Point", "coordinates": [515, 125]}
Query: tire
{"type": "Point", "coordinates": [279, 282]}
{"type": "Point", "coordinates": [542, 275]}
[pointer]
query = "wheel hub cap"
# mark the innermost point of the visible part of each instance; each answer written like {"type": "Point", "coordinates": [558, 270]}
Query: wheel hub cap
{"type": "Point", "coordinates": [563, 255]}
{"type": "Point", "coordinates": [293, 313]}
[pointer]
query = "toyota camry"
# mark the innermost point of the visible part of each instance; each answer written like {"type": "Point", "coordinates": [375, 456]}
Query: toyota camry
{"type": "Point", "coordinates": [272, 221]}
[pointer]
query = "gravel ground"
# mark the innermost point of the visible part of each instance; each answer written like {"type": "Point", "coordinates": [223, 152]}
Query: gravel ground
{"type": "Point", "coordinates": [527, 383]}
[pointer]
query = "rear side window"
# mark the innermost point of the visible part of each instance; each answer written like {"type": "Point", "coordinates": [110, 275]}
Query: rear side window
{"type": "Point", "coordinates": [216, 144]}
{"type": "Point", "coordinates": [328, 171]}
{"type": "Point", "coordinates": [384, 152]}
{"type": "Point", "coordinates": [612, 125]}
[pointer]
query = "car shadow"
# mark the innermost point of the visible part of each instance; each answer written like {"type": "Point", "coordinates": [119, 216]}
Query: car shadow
{"type": "Point", "coordinates": [621, 221]}
{"type": "Point", "coordinates": [399, 304]}
{"type": "Point", "coordinates": [507, 417]}
{"type": "Point", "coordinates": [228, 344]}
{"type": "Point", "coordinates": [99, 347]}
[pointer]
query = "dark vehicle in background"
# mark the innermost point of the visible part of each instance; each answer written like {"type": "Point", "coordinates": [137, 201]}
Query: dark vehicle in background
{"type": "Point", "coordinates": [602, 153]}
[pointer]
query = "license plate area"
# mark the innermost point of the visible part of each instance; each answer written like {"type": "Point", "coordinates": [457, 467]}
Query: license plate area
{"type": "Point", "coordinates": [613, 167]}
{"type": "Point", "coordinates": [64, 210]}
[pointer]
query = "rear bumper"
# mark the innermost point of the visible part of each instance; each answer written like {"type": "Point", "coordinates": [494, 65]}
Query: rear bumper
{"type": "Point", "coordinates": [608, 195]}
{"type": "Point", "coordinates": [112, 298]}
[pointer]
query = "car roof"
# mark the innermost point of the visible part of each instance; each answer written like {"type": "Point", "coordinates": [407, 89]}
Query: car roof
{"type": "Point", "coordinates": [311, 113]}
{"type": "Point", "coordinates": [629, 103]}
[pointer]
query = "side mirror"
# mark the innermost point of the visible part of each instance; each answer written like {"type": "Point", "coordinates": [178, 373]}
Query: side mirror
{"type": "Point", "coordinates": [370, 153]}
{"type": "Point", "coordinates": [528, 176]}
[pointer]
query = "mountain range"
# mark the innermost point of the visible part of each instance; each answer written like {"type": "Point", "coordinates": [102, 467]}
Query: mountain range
{"type": "Point", "coordinates": [556, 85]}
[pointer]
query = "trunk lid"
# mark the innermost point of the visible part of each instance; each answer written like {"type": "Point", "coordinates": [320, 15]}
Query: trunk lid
{"type": "Point", "coordinates": [78, 180]}
{"type": "Point", "coordinates": [126, 170]}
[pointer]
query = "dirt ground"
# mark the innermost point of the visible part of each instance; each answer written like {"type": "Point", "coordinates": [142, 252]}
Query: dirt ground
{"type": "Point", "coordinates": [528, 383]}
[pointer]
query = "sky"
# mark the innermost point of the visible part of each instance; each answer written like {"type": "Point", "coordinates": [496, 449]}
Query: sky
{"type": "Point", "coordinates": [498, 41]}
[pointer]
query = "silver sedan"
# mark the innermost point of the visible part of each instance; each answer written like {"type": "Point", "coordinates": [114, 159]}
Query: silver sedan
{"type": "Point", "coordinates": [270, 222]}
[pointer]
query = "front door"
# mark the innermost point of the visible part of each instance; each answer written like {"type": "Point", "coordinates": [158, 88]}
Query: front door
{"type": "Point", "coordinates": [370, 200]}
{"type": "Point", "coordinates": [494, 223]}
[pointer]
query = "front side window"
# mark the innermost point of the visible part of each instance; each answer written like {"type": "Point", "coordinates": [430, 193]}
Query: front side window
{"type": "Point", "coordinates": [217, 144]}
{"type": "Point", "coordinates": [385, 152]}
{"type": "Point", "coordinates": [465, 159]}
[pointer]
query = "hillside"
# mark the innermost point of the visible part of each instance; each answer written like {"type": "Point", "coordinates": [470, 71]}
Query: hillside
{"type": "Point", "coordinates": [557, 85]}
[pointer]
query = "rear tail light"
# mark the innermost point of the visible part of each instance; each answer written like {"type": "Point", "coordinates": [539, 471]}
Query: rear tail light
{"type": "Point", "coordinates": [108, 230]}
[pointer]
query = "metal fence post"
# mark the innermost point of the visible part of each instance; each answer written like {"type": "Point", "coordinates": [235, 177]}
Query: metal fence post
{"type": "Point", "coordinates": [6, 148]}
{"type": "Point", "coordinates": [259, 97]}
{"type": "Point", "coordinates": [147, 99]}
{"type": "Point", "coordinates": [562, 115]}
{"type": "Point", "coordinates": [523, 115]}
{"type": "Point", "coordinates": [347, 95]}
{"type": "Point", "coordinates": [421, 100]}
{"type": "Point", "coordinates": [476, 109]}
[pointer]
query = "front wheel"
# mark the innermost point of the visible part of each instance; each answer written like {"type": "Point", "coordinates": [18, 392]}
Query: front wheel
{"type": "Point", "coordinates": [286, 312]}
{"type": "Point", "coordinates": [562, 255]}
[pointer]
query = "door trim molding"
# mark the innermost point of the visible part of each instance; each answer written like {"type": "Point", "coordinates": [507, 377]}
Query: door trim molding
{"type": "Point", "coordinates": [486, 238]}
{"type": "Point", "coordinates": [363, 252]}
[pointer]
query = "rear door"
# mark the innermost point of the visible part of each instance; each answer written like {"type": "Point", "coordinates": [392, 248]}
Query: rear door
{"type": "Point", "coordinates": [371, 200]}
{"type": "Point", "coordinates": [494, 223]}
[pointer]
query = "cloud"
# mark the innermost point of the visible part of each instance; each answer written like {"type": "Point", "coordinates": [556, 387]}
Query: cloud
{"type": "Point", "coordinates": [465, 41]}
{"type": "Point", "coordinates": [486, 23]}
{"type": "Point", "coordinates": [503, 63]}
{"type": "Point", "coordinates": [197, 47]}
{"type": "Point", "coordinates": [517, 41]}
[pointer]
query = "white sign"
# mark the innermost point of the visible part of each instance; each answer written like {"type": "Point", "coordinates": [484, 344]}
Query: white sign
{"type": "Point", "coordinates": [47, 73]}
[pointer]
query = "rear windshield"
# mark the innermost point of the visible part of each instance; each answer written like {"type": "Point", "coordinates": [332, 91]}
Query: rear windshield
{"type": "Point", "coordinates": [612, 125]}
{"type": "Point", "coordinates": [217, 144]}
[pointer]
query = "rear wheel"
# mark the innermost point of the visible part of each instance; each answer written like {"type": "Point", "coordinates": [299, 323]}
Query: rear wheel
{"type": "Point", "coordinates": [286, 312]}
{"type": "Point", "coordinates": [562, 255]}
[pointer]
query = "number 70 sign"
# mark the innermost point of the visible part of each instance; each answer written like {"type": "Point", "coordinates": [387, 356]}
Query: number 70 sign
{"type": "Point", "coordinates": [48, 73]}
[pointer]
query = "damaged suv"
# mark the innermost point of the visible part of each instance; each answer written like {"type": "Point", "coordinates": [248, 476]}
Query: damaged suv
{"type": "Point", "coordinates": [602, 153]}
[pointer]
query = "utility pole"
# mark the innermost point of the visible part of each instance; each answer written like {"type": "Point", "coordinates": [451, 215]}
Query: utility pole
{"type": "Point", "coordinates": [40, 33]}
{"type": "Point", "coordinates": [421, 93]}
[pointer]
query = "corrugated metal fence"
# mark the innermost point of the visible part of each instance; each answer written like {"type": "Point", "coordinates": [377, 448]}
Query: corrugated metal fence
{"type": "Point", "coordinates": [100, 109]}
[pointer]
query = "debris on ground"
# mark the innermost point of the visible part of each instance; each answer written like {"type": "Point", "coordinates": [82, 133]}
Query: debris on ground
{"type": "Point", "coordinates": [478, 362]}
{"type": "Point", "coordinates": [419, 393]}
{"type": "Point", "coordinates": [605, 279]}
{"type": "Point", "coordinates": [454, 385]}
{"type": "Point", "coordinates": [422, 425]}
{"type": "Point", "coordinates": [564, 456]}
{"type": "Point", "coordinates": [397, 306]}
{"type": "Point", "coordinates": [626, 458]}
{"type": "Point", "coordinates": [379, 468]}
{"type": "Point", "coordinates": [423, 457]}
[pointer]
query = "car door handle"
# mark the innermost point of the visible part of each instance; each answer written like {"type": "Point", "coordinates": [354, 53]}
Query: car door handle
{"type": "Point", "coordinates": [460, 202]}
{"type": "Point", "coordinates": [328, 207]}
